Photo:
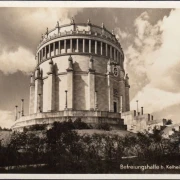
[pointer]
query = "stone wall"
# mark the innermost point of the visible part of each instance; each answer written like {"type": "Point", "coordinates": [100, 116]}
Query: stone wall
{"type": "Point", "coordinates": [31, 99]}
{"type": "Point", "coordinates": [81, 91]}
{"type": "Point", "coordinates": [102, 92]}
{"type": "Point", "coordinates": [91, 117]}
{"type": "Point", "coordinates": [78, 83]}
{"type": "Point", "coordinates": [138, 123]}
{"type": "Point", "coordinates": [62, 88]}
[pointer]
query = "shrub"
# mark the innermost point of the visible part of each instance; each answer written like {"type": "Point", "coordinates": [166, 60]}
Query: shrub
{"type": "Point", "coordinates": [169, 121]}
{"type": "Point", "coordinates": [63, 150]}
{"type": "Point", "coordinates": [36, 127]}
{"type": "Point", "coordinates": [104, 126]}
{"type": "Point", "coordinates": [78, 124]}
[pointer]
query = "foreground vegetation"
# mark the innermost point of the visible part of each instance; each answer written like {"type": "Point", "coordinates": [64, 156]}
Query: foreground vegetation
{"type": "Point", "coordinates": [62, 150]}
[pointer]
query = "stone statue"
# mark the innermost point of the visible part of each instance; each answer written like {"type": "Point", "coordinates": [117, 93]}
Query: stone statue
{"type": "Point", "coordinates": [51, 67]}
{"type": "Point", "coordinates": [57, 25]}
{"type": "Point", "coordinates": [70, 60]}
{"type": "Point", "coordinates": [88, 22]}
{"type": "Point", "coordinates": [72, 21]}
{"type": "Point", "coordinates": [102, 25]}
{"type": "Point", "coordinates": [109, 66]}
{"type": "Point", "coordinates": [91, 63]}
{"type": "Point", "coordinates": [42, 36]}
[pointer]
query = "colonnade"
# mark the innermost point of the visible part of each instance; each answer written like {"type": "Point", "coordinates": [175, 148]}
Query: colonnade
{"type": "Point", "coordinates": [79, 45]}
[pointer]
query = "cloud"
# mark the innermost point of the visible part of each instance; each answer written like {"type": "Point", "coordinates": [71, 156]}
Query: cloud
{"type": "Point", "coordinates": [20, 60]}
{"type": "Point", "coordinates": [154, 99]}
{"type": "Point", "coordinates": [154, 60]}
{"type": "Point", "coordinates": [141, 24]}
{"type": "Point", "coordinates": [21, 30]}
{"type": "Point", "coordinates": [121, 34]}
{"type": "Point", "coordinates": [6, 119]}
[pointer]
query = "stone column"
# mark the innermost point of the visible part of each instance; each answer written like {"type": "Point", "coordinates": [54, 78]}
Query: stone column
{"type": "Point", "coordinates": [89, 45]}
{"type": "Point", "coordinates": [51, 87]}
{"type": "Point", "coordinates": [142, 111]}
{"type": "Point", "coordinates": [96, 101]}
{"type": "Point", "coordinates": [38, 90]}
{"type": "Point", "coordinates": [41, 54]}
{"type": "Point", "coordinates": [77, 45]}
{"type": "Point", "coordinates": [22, 107]}
{"type": "Point", "coordinates": [91, 84]}
{"type": "Point", "coordinates": [65, 47]}
{"type": "Point", "coordinates": [101, 48]}
{"type": "Point", "coordinates": [95, 47]}
{"type": "Point", "coordinates": [114, 54]}
{"type": "Point", "coordinates": [70, 83]}
{"type": "Point", "coordinates": [32, 95]}
{"type": "Point", "coordinates": [45, 53]}
{"type": "Point", "coordinates": [19, 114]}
{"type": "Point", "coordinates": [111, 52]}
{"type": "Point", "coordinates": [71, 45]}
{"type": "Point", "coordinates": [39, 108]}
{"type": "Point", "coordinates": [54, 48]}
{"type": "Point", "coordinates": [110, 86]}
{"type": "Point", "coordinates": [59, 47]}
{"type": "Point", "coordinates": [127, 86]}
{"type": "Point", "coordinates": [137, 106]}
{"type": "Point", "coordinates": [122, 59]}
{"type": "Point", "coordinates": [66, 100]}
{"type": "Point", "coordinates": [122, 90]}
{"type": "Point", "coordinates": [117, 56]}
{"type": "Point", "coordinates": [16, 112]}
{"type": "Point", "coordinates": [39, 57]}
{"type": "Point", "coordinates": [118, 60]}
{"type": "Point", "coordinates": [121, 103]}
{"type": "Point", "coordinates": [106, 50]}
{"type": "Point", "coordinates": [49, 50]}
{"type": "Point", "coordinates": [83, 45]}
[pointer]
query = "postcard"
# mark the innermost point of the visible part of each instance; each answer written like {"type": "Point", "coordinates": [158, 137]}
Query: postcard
{"type": "Point", "coordinates": [89, 89]}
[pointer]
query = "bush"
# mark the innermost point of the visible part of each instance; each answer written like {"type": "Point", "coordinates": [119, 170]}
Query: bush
{"type": "Point", "coordinates": [63, 150]}
{"type": "Point", "coordinates": [169, 121]}
{"type": "Point", "coordinates": [104, 126]}
{"type": "Point", "coordinates": [78, 124]}
{"type": "Point", "coordinates": [36, 127]}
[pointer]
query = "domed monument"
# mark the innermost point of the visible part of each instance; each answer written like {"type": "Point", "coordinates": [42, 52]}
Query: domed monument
{"type": "Point", "coordinates": [79, 74]}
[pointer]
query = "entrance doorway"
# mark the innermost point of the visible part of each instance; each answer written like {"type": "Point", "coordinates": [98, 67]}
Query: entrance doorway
{"type": "Point", "coordinates": [115, 107]}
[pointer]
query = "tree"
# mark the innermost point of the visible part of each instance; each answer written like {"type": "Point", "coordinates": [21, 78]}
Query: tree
{"type": "Point", "coordinates": [169, 121]}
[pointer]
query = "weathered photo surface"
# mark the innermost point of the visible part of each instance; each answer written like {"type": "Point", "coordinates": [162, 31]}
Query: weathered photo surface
{"type": "Point", "coordinates": [89, 90]}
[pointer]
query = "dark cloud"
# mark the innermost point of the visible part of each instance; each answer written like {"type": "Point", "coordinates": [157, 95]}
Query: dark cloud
{"type": "Point", "coordinates": [24, 26]}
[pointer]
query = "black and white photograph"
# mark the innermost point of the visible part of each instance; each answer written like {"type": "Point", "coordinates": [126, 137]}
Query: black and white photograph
{"type": "Point", "coordinates": [89, 90]}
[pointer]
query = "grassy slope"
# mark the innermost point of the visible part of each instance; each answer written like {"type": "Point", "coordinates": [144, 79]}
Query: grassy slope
{"type": "Point", "coordinates": [92, 131]}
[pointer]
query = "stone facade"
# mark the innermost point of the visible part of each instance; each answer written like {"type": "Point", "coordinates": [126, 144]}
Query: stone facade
{"type": "Point", "coordinates": [79, 69]}
{"type": "Point", "coordinates": [139, 122]}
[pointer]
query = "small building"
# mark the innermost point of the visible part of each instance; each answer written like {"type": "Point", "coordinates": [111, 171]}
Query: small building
{"type": "Point", "coordinates": [139, 122]}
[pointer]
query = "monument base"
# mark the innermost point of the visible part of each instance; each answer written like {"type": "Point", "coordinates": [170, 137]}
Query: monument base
{"type": "Point", "coordinates": [89, 117]}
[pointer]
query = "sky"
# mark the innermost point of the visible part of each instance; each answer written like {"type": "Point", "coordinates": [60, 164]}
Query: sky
{"type": "Point", "coordinates": [150, 40]}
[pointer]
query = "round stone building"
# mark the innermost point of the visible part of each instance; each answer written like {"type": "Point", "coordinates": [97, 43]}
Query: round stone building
{"type": "Point", "coordinates": [79, 74]}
